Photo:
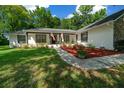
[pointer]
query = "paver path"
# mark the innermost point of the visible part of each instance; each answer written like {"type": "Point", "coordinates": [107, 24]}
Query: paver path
{"type": "Point", "coordinates": [91, 63]}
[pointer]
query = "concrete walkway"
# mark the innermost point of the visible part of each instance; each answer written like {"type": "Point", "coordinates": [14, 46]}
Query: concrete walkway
{"type": "Point", "coordinates": [91, 63]}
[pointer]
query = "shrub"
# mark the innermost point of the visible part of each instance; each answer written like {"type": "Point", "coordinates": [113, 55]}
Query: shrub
{"type": "Point", "coordinates": [78, 47]}
{"type": "Point", "coordinates": [63, 45]}
{"type": "Point", "coordinates": [81, 46]}
{"type": "Point", "coordinates": [24, 46]}
{"type": "Point", "coordinates": [46, 45]}
{"type": "Point", "coordinates": [81, 54]}
{"type": "Point", "coordinates": [70, 45]}
{"type": "Point", "coordinates": [40, 45]}
{"type": "Point", "coordinates": [103, 48]}
{"type": "Point", "coordinates": [91, 46]}
{"type": "Point", "coordinates": [3, 41]}
{"type": "Point", "coordinates": [72, 42]}
{"type": "Point", "coordinates": [119, 45]}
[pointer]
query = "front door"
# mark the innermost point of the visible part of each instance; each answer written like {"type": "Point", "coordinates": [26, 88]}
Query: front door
{"type": "Point", "coordinates": [53, 38]}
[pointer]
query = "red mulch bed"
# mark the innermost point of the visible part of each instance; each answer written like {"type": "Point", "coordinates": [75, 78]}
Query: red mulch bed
{"type": "Point", "coordinates": [91, 52]}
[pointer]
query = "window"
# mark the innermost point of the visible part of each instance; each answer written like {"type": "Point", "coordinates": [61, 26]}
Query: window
{"type": "Point", "coordinates": [21, 38]}
{"type": "Point", "coordinates": [84, 37]}
{"type": "Point", "coordinates": [66, 38]}
{"type": "Point", "coordinates": [40, 38]}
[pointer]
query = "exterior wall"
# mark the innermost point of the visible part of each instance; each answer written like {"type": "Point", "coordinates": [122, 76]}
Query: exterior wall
{"type": "Point", "coordinates": [69, 38]}
{"type": "Point", "coordinates": [79, 38]}
{"type": "Point", "coordinates": [58, 38]}
{"type": "Point", "coordinates": [101, 36]}
{"type": "Point", "coordinates": [13, 42]}
{"type": "Point", "coordinates": [118, 30]}
{"type": "Point", "coordinates": [48, 38]}
{"type": "Point", "coordinates": [32, 39]}
{"type": "Point", "coordinates": [72, 38]}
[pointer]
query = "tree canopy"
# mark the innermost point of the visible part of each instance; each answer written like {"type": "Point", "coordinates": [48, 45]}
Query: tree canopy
{"type": "Point", "coordinates": [13, 18]}
{"type": "Point", "coordinates": [17, 17]}
{"type": "Point", "coordinates": [83, 18]}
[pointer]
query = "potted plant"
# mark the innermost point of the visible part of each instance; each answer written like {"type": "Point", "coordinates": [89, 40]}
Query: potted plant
{"type": "Point", "coordinates": [81, 54]}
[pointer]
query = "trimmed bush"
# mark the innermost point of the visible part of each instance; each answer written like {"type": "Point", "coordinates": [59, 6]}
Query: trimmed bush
{"type": "Point", "coordinates": [78, 47]}
{"type": "Point", "coordinates": [91, 46]}
{"type": "Point", "coordinates": [81, 54]}
{"type": "Point", "coordinates": [119, 45]}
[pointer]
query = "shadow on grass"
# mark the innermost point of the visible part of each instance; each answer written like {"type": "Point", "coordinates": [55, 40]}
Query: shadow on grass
{"type": "Point", "coordinates": [42, 67]}
{"type": "Point", "coordinates": [4, 48]}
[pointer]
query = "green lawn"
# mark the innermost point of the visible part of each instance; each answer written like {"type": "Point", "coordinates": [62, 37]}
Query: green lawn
{"type": "Point", "coordinates": [42, 67]}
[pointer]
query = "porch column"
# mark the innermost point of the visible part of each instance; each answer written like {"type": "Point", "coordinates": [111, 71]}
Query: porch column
{"type": "Point", "coordinates": [58, 40]}
{"type": "Point", "coordinates": [52, 36]}
{"type": "Point", "coordinates": [62, 37]}
{"type": "Point", "coordinates": [79, 38]}
{"type": "Point", "coordinates": [48, 38]}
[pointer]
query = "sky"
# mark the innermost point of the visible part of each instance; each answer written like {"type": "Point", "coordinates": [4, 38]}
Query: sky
{"type": "Point", "coordinates": [114, 8]}
{"type": "Point", "coordinates": [66, 11]}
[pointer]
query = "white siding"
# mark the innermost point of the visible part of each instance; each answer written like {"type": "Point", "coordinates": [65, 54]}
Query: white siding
{"type": "Point", "coordinates": [79, 38]}
{"type": "Point", "coordinates": [48, 38]}
{"type": "Point", "coordinates": [101, 36]}
{"type": "Point", "coordinates": [13, 41]}
{"type": "Point", "coordinates": [32, 39]}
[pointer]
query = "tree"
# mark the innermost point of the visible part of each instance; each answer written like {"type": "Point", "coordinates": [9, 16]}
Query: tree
{"type": "Point", "coordinates": [65, 23]}
{"type": "Point", "coordinates": [41, 17]}
{"type": "Point", "coordinates": [85, 14]}
{"type": "Point", "coordinates": [13, 18]}
{"type": "Point", "coordinates": [83, 18]}
{"type": "Point", "coordinates": [56, 22]}
{"type": "Point", "coordinates": [99, 15]}
{"type": "Point", "coordinates": [87, 17]}
{"type": "Point", "coordinates": [75, 21]}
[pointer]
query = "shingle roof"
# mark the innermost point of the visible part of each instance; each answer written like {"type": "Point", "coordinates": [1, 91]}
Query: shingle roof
{"type": "Point", "coordinates": [47, 30]}
{"type": "Point", "coordinates": [106, 19]}
{"type": "Point", "coordinates": [51, 30]}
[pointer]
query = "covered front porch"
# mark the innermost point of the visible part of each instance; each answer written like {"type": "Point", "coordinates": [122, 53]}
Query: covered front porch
{"type": "Point", "coordinates": [50, 38]}
{"type": "Point", "coordinates": [42, 36]}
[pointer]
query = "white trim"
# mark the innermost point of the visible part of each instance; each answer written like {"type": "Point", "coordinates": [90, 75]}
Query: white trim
{"type": "Point", "coordinates": [92, 24]}
{"type": "Point", "coordinates": [84, 28]}
{"type": "Point", "coordinates": [47, 30]}
{"type": "Point", "coordinates": [96, 26]}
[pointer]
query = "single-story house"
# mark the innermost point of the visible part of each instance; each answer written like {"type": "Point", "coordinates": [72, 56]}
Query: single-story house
{"type": "Point", "coordinates": [35, 37]}
{"type": "Point", "coordinates": [103, 33]}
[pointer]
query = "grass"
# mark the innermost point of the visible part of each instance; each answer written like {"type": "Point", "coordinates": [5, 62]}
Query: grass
{"type": "Point", "coordinates": [42, 67]}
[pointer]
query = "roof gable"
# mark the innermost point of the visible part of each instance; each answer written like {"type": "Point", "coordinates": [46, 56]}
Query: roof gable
{"type": "Point", "coordinates": [105, 20]}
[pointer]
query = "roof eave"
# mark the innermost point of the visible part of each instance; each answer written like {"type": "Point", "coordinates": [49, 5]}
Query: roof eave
{"type": "Point", "coordinates": [85, 30]}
